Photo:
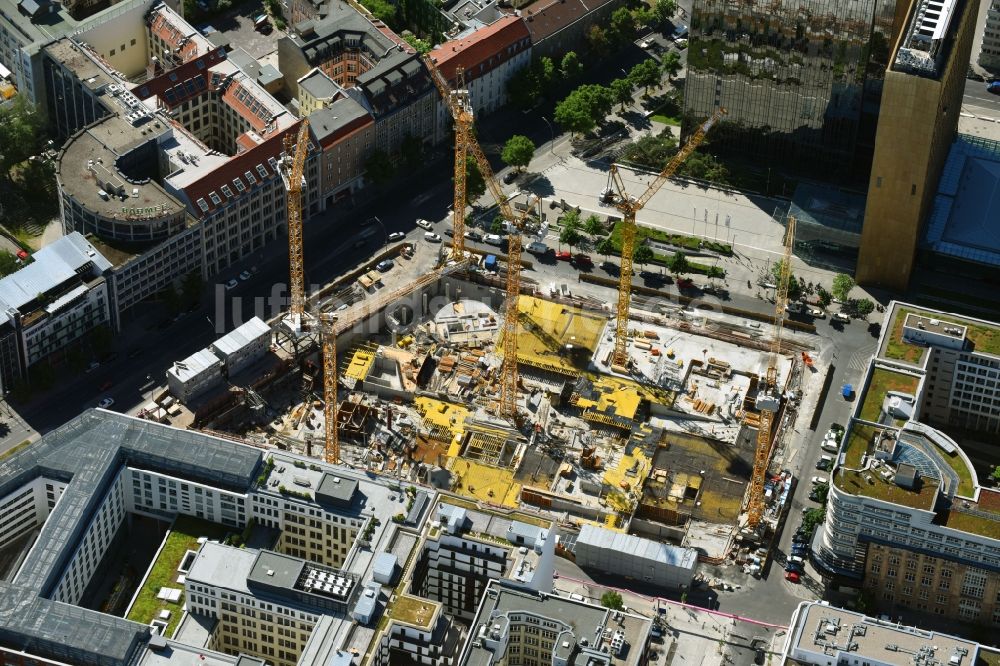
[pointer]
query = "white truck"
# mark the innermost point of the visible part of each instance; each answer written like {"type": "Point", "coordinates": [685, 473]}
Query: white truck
{"type": "Point", "coordinates": [537, 248]}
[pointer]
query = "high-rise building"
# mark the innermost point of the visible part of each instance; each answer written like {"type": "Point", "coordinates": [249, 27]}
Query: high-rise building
{"type": "Point", "coordinates": [920, 106]}
{"type": "Point", "coordinates": [801, 81]}
{"type": "Point", "coordinates": [989, 53]}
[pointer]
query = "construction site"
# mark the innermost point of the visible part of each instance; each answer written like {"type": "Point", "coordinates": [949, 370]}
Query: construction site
{"type": "Point", "coordinates": [649, 420]}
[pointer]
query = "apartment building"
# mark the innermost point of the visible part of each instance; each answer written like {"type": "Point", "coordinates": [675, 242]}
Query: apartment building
{"type": "Point", "coordinates": [989, 54]}
{"type": "Point", "coordinates": [373, 64]}
{"type": "Point", "coordinates": [907, 517]}
{"type": "Point", "coordinates": [55, 300]}
{"type": "Point", "coordinates": [488, 57]}
{"type": "Point", "coordinates": [820, 635]}
{"type": "Point", "coordinates": [538, 629]}
{"type": "Point", "coordinates": [418, 632]}
{"type": "Point", "coordinates": [345, 133]}
{"type": "Point", "coordinates": [317, 90]}
{"type": "Point", "coordinates": [559, 26]}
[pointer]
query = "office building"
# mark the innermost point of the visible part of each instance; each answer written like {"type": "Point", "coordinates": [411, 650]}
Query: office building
{"type": "Point", "coordinates": [51, 303]}
{"type": "Point", "coordinates": [659, 564]}
{"type": "Point", "coordinates": [802, 82]}
{"type": "Point", "coordinates": [921, 101]}
{"type": "Point", "coordinates": [989, 53]}
{"type": "Point", "coordinates": [907, 517]}
{"type": "Point", "coordinates": [536, 629]}
{"type": "Point", "coordinates": [821, 635]}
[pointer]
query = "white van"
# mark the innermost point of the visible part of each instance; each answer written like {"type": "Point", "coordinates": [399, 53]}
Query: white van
{"type": "Point", "coordinates": [493, 239]}
{"type": "Point", "coordinates": [841, 317]}
{"type": "Point", "coordinates": [831, 445]}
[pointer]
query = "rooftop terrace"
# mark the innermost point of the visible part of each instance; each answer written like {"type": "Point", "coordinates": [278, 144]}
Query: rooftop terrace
{"type": "Point", "coordinates": [883, 381]}
{"type": "Point", "coordinates": [414, 610]}
{"type": "Point", "coordinates": [870, 484]}
{"type": "Point", "coordinates": [983, 336]}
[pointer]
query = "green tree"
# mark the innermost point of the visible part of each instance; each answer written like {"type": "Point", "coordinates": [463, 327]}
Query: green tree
{"type": "Point", "coordinates": [995, 474]}
{"type": "Point", "coordinates": [605, 247]}
{"type": "Point", "coordinates": [812, 519]}
{"type": "Point", "coordinates": [191, 288]}
{"type": "Point", "coordinates": [598, 41]}
{"type": "Point", "coordinates": [8, 263]}
{"type": "Point", "coordinates": [653, 151]}
{"type": "Point", "coordinates": [412, 149]}
{"type": "Point", "coordinates": [546, 70]}
{"type": "Point", "coordinates": [642, 254]}
{"type": "Point", "coordinates": [573, 113]}
{"type": "Point", "coordinates": [421, 45]}
{"type": "Point", "coordinates": [842, 286]}
{"type": "Point", "coordinates": [643, 16]}
{"type": "Point", "coordinates": [593, 226]}
{"type": "Point", "coordinates": [382, 10]}
{"type": "Point", "coordinates": [621, 91]}
{"type": "Point", "coordinates": [678, 264]}
{"type": "Point", "coordinates": [379, 168]}
{"type": "Point", "coordinates": [518, 151]}
{"type": "Point", "coordinates": [612, 600]}
{"type": "Point", "coordinates": [671, 65]}
{"type": "Point", "coordinates": [523, 88]}
{"type": "Point", "coordinates": [645, 74]}
{"type": "Point", "coordinates": [664, 10]}
{"type": "Point", "coordinates": [571, 67]}
{"type": "Point", "coordinates": [825, 297]}
{"type": "Point", "coordinates": [570, 233]}
{"type": "Point", "coordinates": [794, 288]}
{"type": "Point", "coordinates": [860, 307]}
{"type": "Point", "coordinates": [475, 184]}
{"type": "Point", "coordinates": [21, 133]}
{"type": "Point", "coordinates": [623, 24]}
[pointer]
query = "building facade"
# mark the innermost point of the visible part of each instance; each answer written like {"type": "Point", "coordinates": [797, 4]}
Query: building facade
{"type": "Point", "coordinates": [801, 82]}
{"type": "Point", "coordinates": [53, 302]}
{"type": "Point", "coordinates": [921, 102]}
{"type": "Point", "coordinates": [907, 518]}
{"type": "Point", "coordinates": [989, 54]}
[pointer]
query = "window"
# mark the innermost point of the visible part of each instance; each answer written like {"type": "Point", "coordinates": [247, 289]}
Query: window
{"type": "Point", "coordinates": [250, 178]}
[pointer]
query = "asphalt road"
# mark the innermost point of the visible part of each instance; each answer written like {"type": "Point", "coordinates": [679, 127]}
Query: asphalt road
{"type": "Point", "coordinates": [975, 93]}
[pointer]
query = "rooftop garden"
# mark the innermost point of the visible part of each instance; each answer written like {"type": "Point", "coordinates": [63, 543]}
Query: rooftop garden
{"type": "Point", "coordinates": [870, 484]}
{"type": "Point", "coordinates": [882, 382]}
{"type": "Point", "coordinates": [985, 339]}
{"type": "Point", "coordinates": [974, 523]}
{"type": "Point", "coordinates": [183, 537]}
{"type": "Point", "coordinates": [857, 444]}
{"type": "Point", "coordinates": [412, 610]}
{"type": "Point", "coordinates": [955, 461]}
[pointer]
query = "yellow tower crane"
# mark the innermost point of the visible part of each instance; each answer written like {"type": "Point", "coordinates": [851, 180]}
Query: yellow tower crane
{"type": "Point", "coordinates": [629, 206]}
{"type": "Point", "coordinates": [768, 398]}
{"type": "Point", "coordinates": [331, 451]}
{"type": "Point", "coordinates": [461, 112]}
{"type": "Point", "coordinates": [292, 174]}
{"type": "Point", "coordinates": [466, 143]}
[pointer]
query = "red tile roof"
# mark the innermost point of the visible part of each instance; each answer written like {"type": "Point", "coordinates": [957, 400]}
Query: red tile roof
{"type": "Point", "coordinates": [235, 168]}
{"type": "Point", "coordinates": [547, 17]}
{"type": "Point", "coordinates": [174, 80]}
{"type": "Point", "coordinates": [487, 46]}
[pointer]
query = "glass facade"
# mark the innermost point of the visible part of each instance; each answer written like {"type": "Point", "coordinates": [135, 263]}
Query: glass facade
{"type": "Point", "coordinates": [801, 80]}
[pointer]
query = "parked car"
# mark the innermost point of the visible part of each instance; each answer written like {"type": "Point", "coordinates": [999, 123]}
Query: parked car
{"type": "Point", "coordinates": [583, 260]}
{"type": "Point", "coordinates": [816, 480]}
{"type": "Point", "coordinates": [396, 236]}
{"type": "Point", "coordinates": [449, 232]}
{"type": "Point", "coordinates": [245, 275]}
{"type": "Point", "coordinates": [510, 177]}
{"type": "Point", "coordinates": [105, 403]}
{"type": "Point", "coordinates": [424, 224]}
{"type": "Point", "coordinates": [94, 365]}
{"type": "Point", "coordinates": [493, 239]}
{"type": "Point", "coordinates": [792, 577]}
{"type": "Point", "coordinates": [564, 255]}
{"type": "Point", "coordinates": [993, 87]}
{"type": "Point", "coordinates": [841, 317]}
{"type": "Point", "coordinates": [824, 463]}
{"type": "Point", "coordinates": [432, 237]}
{"type": "Point", "coordinates": [792, 567]}
{"type": "Point", "coordinates": [830, 444]}
{"type": "Point", "coordinates": [231, 284]}
{"type": "Point", "coordinates": [474, 235]}
{"type": "Point", "coordinates": [817, 313]}
{"type": "Point", "coordinates": [385, 266]}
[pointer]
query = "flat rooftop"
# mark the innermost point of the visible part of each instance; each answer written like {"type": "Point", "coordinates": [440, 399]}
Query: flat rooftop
{"type": "Point", "coordinates": [983, 336]}
{"type": "Point", "coordinates": [88, 163]}
{"type": "Point", "coordinates": [223, 566]}
{"type": "Point", "coordinates": [416, 611]}
{"type": "Point", "coordinates": [883, 381]}
{"type": "Point", "coordinates": [838, 633]}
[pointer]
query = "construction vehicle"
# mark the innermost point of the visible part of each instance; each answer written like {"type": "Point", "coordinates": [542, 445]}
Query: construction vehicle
{"type": "Point", "coordinates": [466, 143]}
{"type": "Point", "coordinates": [332, 448]}
{"type": "Point", "coordinates": [461, 112]}
{"type": "Point", "coordinates": [629, 206]}
{"type": "Point", "coordinates": [768, 398]}
{"type": "Point", "coordinates": [293, 163]}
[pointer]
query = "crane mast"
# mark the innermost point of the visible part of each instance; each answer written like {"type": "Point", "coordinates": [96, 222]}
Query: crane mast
{"type": "Point", "coordinates": [460, 106]}
{"type": "Point", "coordinates": [768, 400]}
{"type": "Point", "coordinates": [292, 174]}
{"type": "Point", "coordinates": [331, 451]}
{"type": "Point", "coordinates": [629, 206]}
{"type": "Point", "coordinates": [466, 144]}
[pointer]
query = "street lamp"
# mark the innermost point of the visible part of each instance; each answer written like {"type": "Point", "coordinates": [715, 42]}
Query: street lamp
{"type": "Point", "coordinates": [552, 134]}
{"type": "Point", "coordinates": [374, 218]}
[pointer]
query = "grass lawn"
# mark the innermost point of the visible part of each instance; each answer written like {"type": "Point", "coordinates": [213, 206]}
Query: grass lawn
{"type": "Point", "coordinates": [665, 119]}
{"type": "Point", "coordinates": [857, 444]}
{"type": "Point", "coordinates": [899, 350]}
{"type": "Point", "coordinates": [984, 338]}
{"type": "Point", "coordinates": [686, 242]}
{"type": "Point", "coordinates": [882, 382]}
{"type": "Point", "coordinates": [13, 450]}
{"type": "Point", "coordinates": [183, 537]}
{"type": "Point", "coordinates": [964, 474]}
